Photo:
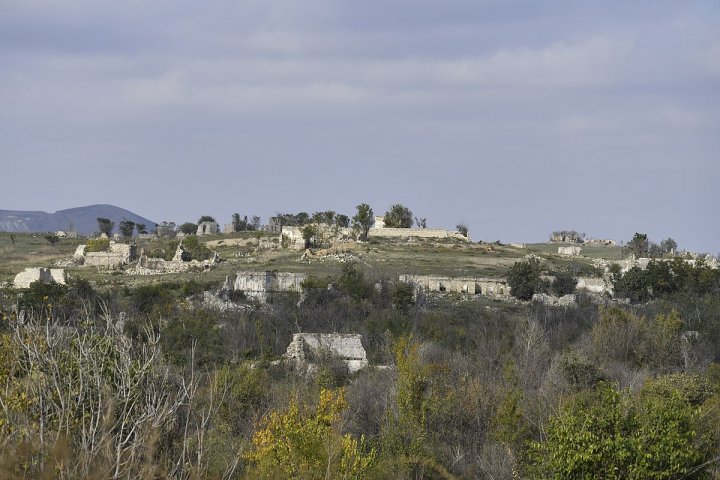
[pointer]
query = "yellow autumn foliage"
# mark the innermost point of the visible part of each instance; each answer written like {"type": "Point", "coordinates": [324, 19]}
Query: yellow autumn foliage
{"type": "Point", "coordinates": [307, 443]}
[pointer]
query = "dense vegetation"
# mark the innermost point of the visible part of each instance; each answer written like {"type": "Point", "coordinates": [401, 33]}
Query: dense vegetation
{"type": "Point", "coordinates": [144, 382]}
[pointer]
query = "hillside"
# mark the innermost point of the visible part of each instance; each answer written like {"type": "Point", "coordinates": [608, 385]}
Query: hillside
{"type": "Point", "coordinates": [82, 219]}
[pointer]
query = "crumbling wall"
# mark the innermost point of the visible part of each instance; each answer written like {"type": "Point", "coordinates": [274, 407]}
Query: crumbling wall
{"type": "Point", "coordinates": [489, 287]}
{"type": "Point", "coordinates": [569, 250]}
{"type": "Point", "coordinates": [207, 228]}
{"type": "Point", "coordinates": [35, 274]}
{"type": "Point", "coordinates": [181, 262]}
{"type": "Point", "coordinates": [119, 254]}
{"type": "Point", "coordinates": [348, 347]}
{"type": "Point", "coordinates": [260, 285]}
{"type": "Point", "coordinates": [594, 285]}
{"type": "Point", "coordinates": [327, 235]}
{"type": "Point", "coordinates": [415, 232]}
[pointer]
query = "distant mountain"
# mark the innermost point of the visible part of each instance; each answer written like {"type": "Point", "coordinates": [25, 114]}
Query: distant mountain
{"type": "Point", "coordinates": [82, 219]}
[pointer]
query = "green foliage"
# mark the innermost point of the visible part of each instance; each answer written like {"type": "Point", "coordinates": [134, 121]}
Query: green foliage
{"type": "Point", "coordinates": [524, 278]}
{"type": "Point", "coordinates": [105, 226]}
{"type": "Point", "coordinates": [312, 282]}
{"type": "Point", "coordinates": [188, 228]}
{"type": "Point", "coordinates": [52, 239]}
{"type": "Point", "coordinates": [363, 220]}
{"type": "Point", "coordinates": [141, 228]}
{"type": "Point", "coordinates": [193, 332]}
{"type": "Point", "coordinates": [205, 218]}
{"type": "Point", "coordinates": [127, 227]}
{"type": "Point", "coordinates": [44, 297]}
{"type": "Point", "coordinates": [639, 245]}
{"type": "Point", "coordinates": [326, 218]}
{"type": "Point", "coordinates": [342, 220]}
{"type": "Point", "coordinates": [509, 426]}
{"type": "Point", "coordinates": [309, 233]}
{"type": "Point", "coordinates": [462, 229]}
{"type": "Point", "coordinates": [196, 249]}
{"type": "Point", "coordinates": [564, 284]}
{"type": "Point", "coordinates": [579, 372]}
{"type": "Point", "coordinates": [407, 432]}
{"type": "Point", "coordinates": [607, 435]}
{"type": "Point", "coordinates": [352, 282]}
{"type": "Point", "coordinates": [621, 336]}
{"type": "Point", "coordinates": [147, 298]}
{"type": "Point", "coordinates": [668, 246]}
{"type": "Point", "coordinates": [399, 216]}
{"type": "Point", "coordinates": [97, 245]}
{"type": "Point", "coordinates": [166, 229]}
{"type": "Point", "coordinates": [662, 278]}
{"type": "Point", "coordinates": [402, 295]}
{"type": "Point", "coordinates": [242, 224]}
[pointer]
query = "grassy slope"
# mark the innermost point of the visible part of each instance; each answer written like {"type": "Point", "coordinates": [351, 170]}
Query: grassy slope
{"type": "Point", "coordinates": [384, 258]}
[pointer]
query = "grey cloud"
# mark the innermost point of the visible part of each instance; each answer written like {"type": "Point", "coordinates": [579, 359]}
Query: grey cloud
{"type": "Point", "coordinates": [517, 117]}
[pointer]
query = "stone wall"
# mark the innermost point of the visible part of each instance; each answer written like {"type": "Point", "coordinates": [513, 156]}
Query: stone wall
{"type": "Point", "coordinates": [306, 347]}
{"type": "Point", "coordinates": [594, 285]}
{"type": "Point", "coordinates": [326, 235]}
{"type": "Point", "coordinates": [119, 254]}
{"type": "Point", "coordinates": [489, 287]}
{"type": "Point", "coordinates": [260, 285]}
{"type": "Point", "coordinates": [34, 274]}
{"type": "Point", "coordinates": [207, 228]}
{"type": "Point", "coordinates": [415, 232]}
{"type": "Point", "coordinates": [569, 250]}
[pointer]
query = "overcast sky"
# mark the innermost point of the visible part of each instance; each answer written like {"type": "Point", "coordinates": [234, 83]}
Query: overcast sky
{"type": "Point", "coordinates": [517, 117]}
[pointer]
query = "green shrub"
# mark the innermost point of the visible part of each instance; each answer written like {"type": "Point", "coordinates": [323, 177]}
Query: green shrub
{"type": "Point", "coordinates": [524, 279]}
{"type": "Point", "coordinates": [97, 245]}
{"type": "Point", "coordinates": [564, 284]}
{"type": "Point", "coordinates": [197, 250]}
{"type": "Point", "coordinates": [402, 295]}
{"type": "Point", "coordinates": [609, 435]}
{"type": "Point", "coordinates": [352, 282]}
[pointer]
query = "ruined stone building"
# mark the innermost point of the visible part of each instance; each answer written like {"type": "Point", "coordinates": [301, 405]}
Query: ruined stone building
{"type": "Point", "coordinates": [306, 348]}
{"type": "Point", "coordinates": [567, 236]}
{"type": "Point", "coordinates": [489, 287]}
{"type": "Point", "coordinates": [262, 285]}
{"type": "Point", "coordinates": [118, 254]}
{"type": "Point", "coordinates": [34, 274]}
{"type": "Point", "coordinates": [573, 251]}
{"type": "Point", "coordinates": [207, 228]}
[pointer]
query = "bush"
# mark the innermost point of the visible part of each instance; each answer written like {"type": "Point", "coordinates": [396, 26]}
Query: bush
{"type": "Point", "coordinates": [188, 228]}
{"type": "Point", "coordinates": [611, 436]}
{"type": "Point", "coordinates": [564, 284]}
{"type": "Point", "coordinates": [97, 245]}
{"type": "Point", "coordinates": [197, 250]}
{"type": "Point", "coordinates": [352, 282]}
{"type": "Point", "coordinates": [399, 216]}
{"type": "Point", "coordinates": [524, 278]}
{"type": "Point", "coordinates": [402, 295]}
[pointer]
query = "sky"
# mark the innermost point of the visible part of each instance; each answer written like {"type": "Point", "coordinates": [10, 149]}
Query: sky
{"type": "Point", "coordinates": [515, 117]}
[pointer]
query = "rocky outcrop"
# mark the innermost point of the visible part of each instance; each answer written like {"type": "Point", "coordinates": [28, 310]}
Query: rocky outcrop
{"type": "Point", "coordinates": [564, 301]}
